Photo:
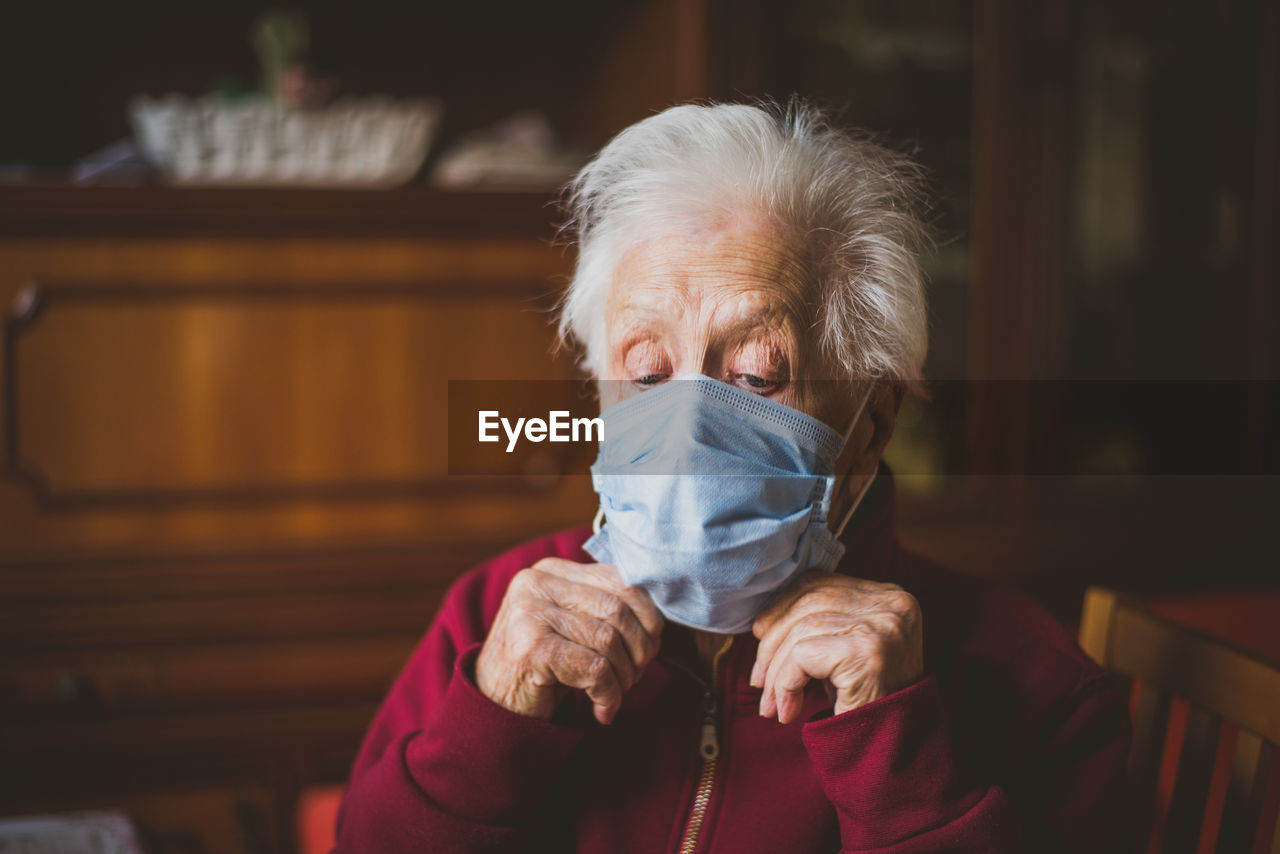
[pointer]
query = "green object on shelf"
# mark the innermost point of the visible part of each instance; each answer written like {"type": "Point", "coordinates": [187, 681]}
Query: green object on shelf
{"type": "Point", "coordinates": [281, 38]}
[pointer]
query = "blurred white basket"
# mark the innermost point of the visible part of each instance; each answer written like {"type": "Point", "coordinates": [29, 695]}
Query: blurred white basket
{"type": "Point", "coordinates": [365, 142]}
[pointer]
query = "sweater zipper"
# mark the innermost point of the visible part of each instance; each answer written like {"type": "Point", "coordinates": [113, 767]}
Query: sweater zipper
{"type": "Point", "coordinates": [709, 751]}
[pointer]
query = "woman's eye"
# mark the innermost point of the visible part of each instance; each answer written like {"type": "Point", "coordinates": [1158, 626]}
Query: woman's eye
{"type": "Point", "coordinates": [756, 383]}
{"type": "Point", "coordinates": [651, 379]}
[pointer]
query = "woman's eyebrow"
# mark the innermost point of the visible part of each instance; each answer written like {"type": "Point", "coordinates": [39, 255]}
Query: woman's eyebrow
{"type": "Point", "coordinates": [762, 340]}
{"type": "Point", "coordinates": [636, 314]}
{"type": "Point", "coordinates": [770, 318]}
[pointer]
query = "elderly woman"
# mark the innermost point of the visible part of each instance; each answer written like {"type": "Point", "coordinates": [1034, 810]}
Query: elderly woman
{"type": "Point", "coordinates": [741, 658]}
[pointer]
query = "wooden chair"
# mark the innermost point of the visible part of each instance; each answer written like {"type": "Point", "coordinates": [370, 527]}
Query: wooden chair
{"type": "Point", "coordinates": [1225, 688]}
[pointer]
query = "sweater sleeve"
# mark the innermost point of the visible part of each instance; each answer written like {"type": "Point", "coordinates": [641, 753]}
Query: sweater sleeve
{"type": "Point", "coordinates": [889, 769]}
{"type": "Point", "coordinates": [442, 767]}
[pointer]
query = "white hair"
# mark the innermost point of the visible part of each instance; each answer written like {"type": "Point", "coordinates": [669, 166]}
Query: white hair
{"type": "Point", "coordinates": [852, 206]}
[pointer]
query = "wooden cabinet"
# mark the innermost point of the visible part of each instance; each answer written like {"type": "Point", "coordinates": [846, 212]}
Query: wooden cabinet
{"type": "Point", "coordinates": [225, 509]}
{"type": "Point", "coordinates": [226, 513]}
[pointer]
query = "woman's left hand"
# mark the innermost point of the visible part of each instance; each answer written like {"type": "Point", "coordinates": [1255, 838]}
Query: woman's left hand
{"type": "Point", "coordinates": [862, 637]}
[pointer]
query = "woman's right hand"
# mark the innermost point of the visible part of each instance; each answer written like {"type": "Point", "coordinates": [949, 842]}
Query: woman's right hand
{"type": "Point", "coordinates": [568, 625]}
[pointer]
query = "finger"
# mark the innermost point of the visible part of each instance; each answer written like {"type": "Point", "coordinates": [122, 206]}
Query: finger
{"type": "Point", "coordinates": [606, 577]}
{"type": "Point", "coordinates": [802, 609]}
{"type": "Point", "coordinates": [858, 679]}
{"type": "Point", "coordinates": [603, 573]}
{"type": "Point", "coordinates": [605, 605]}
{"type": "Point", "coordinates": [805, 584]}
{"type": "Point", "coordinates": [637, 597]}
{"type": "Point", "coordinates": [860, 628]}
{"type": "Point", "coordinates": [596, 635]}
{"type": "Point", "coordinates": [859, 668]}
{"type": "Point", "coordinates": [829, 623]}
{"type": "Point", "coordinates": [824, 593]}
{"type": "Point", "coordinates": [646, 612]}
{"type": "Point", "coordinates": [575, 666]}
{"type": "Point", "coordinates": [813, 658]}
{"type": "Point", "coordinates": [782, 602]}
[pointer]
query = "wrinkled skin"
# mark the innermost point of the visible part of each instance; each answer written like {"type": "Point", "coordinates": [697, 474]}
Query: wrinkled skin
{"type": "Point", "coordinates": [568, 625]}
{"type": "Point", "coordinates": [863, 638]}
{"type": "Point", "coordinates": [727, 300]}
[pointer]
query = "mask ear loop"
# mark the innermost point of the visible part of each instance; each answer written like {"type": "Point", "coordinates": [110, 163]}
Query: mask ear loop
{"type": "Point", "coordinates": [598, 522]}
{"type": "Point", "coordinates": [867, 485]}
{"type": "Point", "coordinates": [856, 501]}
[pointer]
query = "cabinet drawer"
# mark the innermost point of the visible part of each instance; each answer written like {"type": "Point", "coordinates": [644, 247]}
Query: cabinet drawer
{"type": "Point", "coordinates": [131, 681]}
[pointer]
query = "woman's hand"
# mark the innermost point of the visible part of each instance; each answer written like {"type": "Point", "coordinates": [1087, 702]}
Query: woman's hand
{"type": "Point", "coordinates": [862, 637]}
{"type": "Point", "coordinates": [568, 625]}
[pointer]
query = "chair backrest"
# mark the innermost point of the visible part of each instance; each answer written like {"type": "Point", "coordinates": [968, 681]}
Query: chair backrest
{"type": "Point", "coordinates": [1226, 690]}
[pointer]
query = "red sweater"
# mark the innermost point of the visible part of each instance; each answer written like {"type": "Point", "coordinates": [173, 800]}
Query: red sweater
{"type": "Point", "coordinates": [1013, 740]}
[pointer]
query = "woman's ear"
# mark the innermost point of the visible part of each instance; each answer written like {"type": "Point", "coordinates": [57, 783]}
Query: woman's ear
{"type": "Point", "coordinates": [867, 441]}
{"type": "Point", "coordinates": [873, 430]}
{"type": "Point", "coordinates": [883, 407]}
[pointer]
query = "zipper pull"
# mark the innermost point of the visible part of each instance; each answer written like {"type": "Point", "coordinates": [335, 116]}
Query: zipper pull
{"type": "Point", "coordinates": [709, 749]}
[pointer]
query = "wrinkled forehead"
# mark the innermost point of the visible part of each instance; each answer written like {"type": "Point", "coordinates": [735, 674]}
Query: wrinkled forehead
{"type": "Point", "coordinates": [743, 285]}
{"type": "Point", "coordinates": [731, 273]}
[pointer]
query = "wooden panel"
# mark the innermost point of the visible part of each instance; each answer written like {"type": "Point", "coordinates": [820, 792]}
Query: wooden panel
{"type": "Point", "coordinates": [1095, 622]}
{"type": "Point", "coordinates": [205, 676]}
{"type": "Point", "coordinates": [159, 739]}
{"type": "Point", "coordinates": [1250, 768]}
{"type": "Point", "coordinates": [208, 618]}
{"type": "Point", "coordinates": [339, 571]}
{"type": "Point", "coordinates": [199, 396]}
{"type": "Point", "coordinates": [1195, 765]}
{"type": "Point", "coordinates": [227, 516]}
{"type": "Point", "coordinates": [127, 393]}
{"type": "Point", "coordinates": [63, 210]}
{"type": "Point", "coordinates": [1225, 681]}
{"type": "Point", "coordinates": [1150, 721]}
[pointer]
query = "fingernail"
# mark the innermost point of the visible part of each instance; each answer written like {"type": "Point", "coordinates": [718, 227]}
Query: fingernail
{"type": "Point", "coordinates": [755, 674]}
{"type": "Point", "coordinates": [762, 697]}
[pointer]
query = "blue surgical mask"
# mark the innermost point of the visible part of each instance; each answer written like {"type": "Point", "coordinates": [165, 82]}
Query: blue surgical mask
{"type": "Point", "coordinates": [715, 499]}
